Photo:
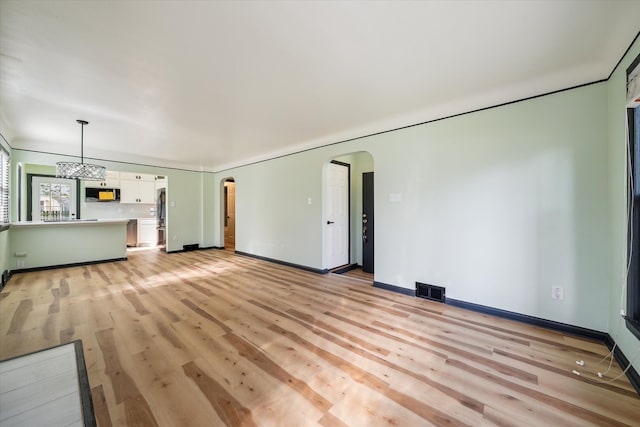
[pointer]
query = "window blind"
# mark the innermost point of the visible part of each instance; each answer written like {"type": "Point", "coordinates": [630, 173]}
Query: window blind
{"type": "Point", "coordinates": [4, 186]}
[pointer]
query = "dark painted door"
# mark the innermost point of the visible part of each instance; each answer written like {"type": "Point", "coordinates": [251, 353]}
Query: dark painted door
{"type": "Point", "coordinates": [367, 222]}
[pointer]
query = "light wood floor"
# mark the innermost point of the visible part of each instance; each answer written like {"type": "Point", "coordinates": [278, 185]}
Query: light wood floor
{"type": "Point", "coordinates": [209, 338]}
{"type": "Point", "coordinates": [357, 273]}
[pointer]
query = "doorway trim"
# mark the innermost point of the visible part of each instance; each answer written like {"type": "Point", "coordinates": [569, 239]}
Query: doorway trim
{"type": "Point", "coordinates": [368, 220]}
{"type": "Point", "coordinates": [359, 161]}
{"type": "Point", "coordinates": [327, 232]}
{"type": "Point", "coordinates": [222, 211]}
{"type": "Point", "coordinates": [348, 166]}
{"type": "Point", "coordinates": [29, 192]}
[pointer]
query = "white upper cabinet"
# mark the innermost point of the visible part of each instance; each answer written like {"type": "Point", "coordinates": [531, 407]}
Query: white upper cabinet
{"type": "Point", "coordinates": [137, 188]}
{"type": "Point", "coordinates": [161, 182]}
{"type": "Point", "coordinates": [137, 176]}
{"type": "Point", "coordinates": [112, 180]}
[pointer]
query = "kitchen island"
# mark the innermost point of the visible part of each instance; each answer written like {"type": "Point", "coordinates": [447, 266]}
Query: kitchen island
{"type": "Point", "coordinates": [41, 244]}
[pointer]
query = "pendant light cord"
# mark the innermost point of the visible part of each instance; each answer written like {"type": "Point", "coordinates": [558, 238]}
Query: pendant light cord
{"type": "Point", "coordinates": [81, 143]}
{"type": "Point", "coordinates": [82, 123]}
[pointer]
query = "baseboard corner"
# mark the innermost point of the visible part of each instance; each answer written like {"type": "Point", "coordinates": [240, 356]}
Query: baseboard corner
{"type": "Point", "coordinates": [632, 374]}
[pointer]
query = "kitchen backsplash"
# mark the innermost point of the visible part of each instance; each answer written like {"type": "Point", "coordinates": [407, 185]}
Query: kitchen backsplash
{"type": "Point", "coordinates": [103, 210]}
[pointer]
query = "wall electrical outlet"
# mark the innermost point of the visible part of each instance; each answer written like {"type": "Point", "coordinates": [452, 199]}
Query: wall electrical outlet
{"type": "Point", "coordinates": [20, 263]}
{"type": "Point", "coordinates": [557, 293]}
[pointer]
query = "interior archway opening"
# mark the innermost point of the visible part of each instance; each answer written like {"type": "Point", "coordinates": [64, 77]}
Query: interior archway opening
{"type": "Point", "coordinates": [229, 214]}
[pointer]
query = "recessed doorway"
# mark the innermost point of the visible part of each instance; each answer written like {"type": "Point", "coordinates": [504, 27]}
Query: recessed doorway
{"type": "Point", "coordinates": [230, 214]}
{"type": "Point", "coordinates": [359, 243]}
{"type": "Point", "coordinates": [51, 199]}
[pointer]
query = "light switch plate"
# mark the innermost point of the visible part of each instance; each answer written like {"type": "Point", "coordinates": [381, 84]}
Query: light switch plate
{"type": "Point", "coordinates": [557, 293]}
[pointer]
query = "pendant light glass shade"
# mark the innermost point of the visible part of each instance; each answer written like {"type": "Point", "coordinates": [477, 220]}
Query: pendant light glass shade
{"type": "Point", "coordinates": [82, 170]}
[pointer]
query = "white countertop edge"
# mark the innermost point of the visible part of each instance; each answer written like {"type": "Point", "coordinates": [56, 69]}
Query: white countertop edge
{"type": "Point", "coordinates": [72, 223]}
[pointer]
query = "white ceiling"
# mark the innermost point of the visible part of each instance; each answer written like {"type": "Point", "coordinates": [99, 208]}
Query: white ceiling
{"type": "Point", "coordinates": [206, 85]}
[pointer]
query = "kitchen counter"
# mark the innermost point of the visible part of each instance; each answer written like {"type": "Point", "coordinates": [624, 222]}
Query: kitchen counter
{"type": "Point", "coordinates": [73, 222]}
{"type": "Point", "coordinates": [142, 232]}
{"type": "Point", "coordinates": [41, 244]}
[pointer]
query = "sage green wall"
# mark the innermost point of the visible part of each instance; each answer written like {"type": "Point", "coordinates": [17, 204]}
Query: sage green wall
{"type": "Point", "coordinates": [617, 162]}
{"type": "Point", "coordinates": [498, 206]}
{"type": "Point", "coordinates": [210, 201]}
{"type": "Point", "coordinates": [185, 195]}
{"type": "Point", "coordinates": [273, 217]}
{"type": "Point", "coordinates": [501, 205]}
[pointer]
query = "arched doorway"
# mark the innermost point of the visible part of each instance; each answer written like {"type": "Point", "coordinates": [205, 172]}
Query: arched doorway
{"type": "Point", "coordinates": [229, 214]}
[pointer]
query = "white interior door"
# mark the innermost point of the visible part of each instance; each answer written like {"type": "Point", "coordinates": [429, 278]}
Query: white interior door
{"type": "Point", "coordinates": [53, 199]}
{"type": "Point", "coordinates": [337, 215]}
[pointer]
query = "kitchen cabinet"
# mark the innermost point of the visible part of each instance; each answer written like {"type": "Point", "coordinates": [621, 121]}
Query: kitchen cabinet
{"type": "Point", "coordinates": [112, 181]}
{"type": "Point", "coordinates": [147, 232]}
{"type": "Point", "coordinates": [161, 182]}
{"type": "Point", "coordinates": [137, 188]}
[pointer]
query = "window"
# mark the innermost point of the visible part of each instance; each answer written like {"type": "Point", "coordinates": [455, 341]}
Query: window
{"type": "Point", "coordinates": [4, 186]}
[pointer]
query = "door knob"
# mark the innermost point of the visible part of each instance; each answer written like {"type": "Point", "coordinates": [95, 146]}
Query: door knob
{"type": "Point", "coordinates": [330, 222]}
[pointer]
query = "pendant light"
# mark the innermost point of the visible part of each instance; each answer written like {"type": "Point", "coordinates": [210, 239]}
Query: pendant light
{"type": "Point", "coordinates": [82, 170]}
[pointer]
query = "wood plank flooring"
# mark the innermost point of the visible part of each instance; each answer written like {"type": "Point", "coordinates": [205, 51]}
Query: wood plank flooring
{"type": "Point", "coordinates": [210, 338]}
{"type": "Point", "coordinates": [357, 273]}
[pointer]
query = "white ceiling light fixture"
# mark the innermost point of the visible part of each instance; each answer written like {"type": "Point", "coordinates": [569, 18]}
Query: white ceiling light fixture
{"type": "Point", "coordinates": [82, 170]}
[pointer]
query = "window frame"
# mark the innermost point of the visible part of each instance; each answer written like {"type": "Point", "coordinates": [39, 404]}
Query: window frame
{"type": "Point", "coordinates": [632, 316]}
